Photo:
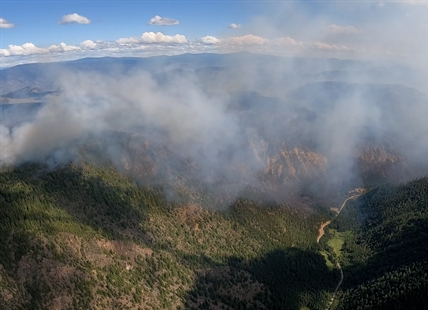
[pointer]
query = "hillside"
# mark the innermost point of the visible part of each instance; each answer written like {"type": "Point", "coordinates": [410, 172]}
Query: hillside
{"type": "Point", "coordinates": [212, 182]}
{"type": "Point", "coordinates": [385, 257]}
{"type": "Point", "coordinates": [88, 237]}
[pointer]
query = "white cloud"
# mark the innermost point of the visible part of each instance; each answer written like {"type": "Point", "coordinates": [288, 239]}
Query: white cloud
{"type": "Point", "coordinates": [248, 39]}
{"type": "Point", "coordinates": [151, 37]}
{"type": "Point", "coordinates": [234, 26]}
{"type": "Point", "coordinates": [24, 49]}
{"type": "Point", "coordinates": [128, 41]}
{"type": "Point", "coordinates": [287, 41]}
{"type": "Point", "coordinates": [5, 24]}
{"type": "Point", "coordinates": [210, 40]}
{"type": "Point", "coordinates": [254, 43]}
{"type": "Point", "coordinates": [62, 47]}
{"type": "Point", "coordinates": [162, 21]}
{"type": "Point", "coordinates": [335, 29]}
{"type": "Point", "coordinates": [152, 44]}
{"type": "Point", "coordinates": [74, 18]}
{"type": "Point", "coordinates": [4, 52]}
{"type": "Point", "coordinates": [332, 47]}
{"type": "Point", "coordinates": [381, 4]}
{"type": "Point", "coordinates": [88, 44]}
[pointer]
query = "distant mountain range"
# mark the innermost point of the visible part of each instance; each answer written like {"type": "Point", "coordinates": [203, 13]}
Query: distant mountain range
{"type": "Point", "coordinates": [288, 71]}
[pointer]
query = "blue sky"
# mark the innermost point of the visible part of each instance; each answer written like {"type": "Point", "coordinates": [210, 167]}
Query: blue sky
{"type": "Point", "coordinates": [37, 21]}
{"type": "Point", "coordinates": [31, 31]}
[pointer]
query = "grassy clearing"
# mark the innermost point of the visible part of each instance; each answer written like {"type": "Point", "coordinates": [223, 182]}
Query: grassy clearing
{"type": "Point", "coordinates": [329, 264]}
{"type": "Point", "coordinates": [337, 241]}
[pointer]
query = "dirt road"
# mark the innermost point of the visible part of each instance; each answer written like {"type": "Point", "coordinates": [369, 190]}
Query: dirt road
{"type": "Point", "coordinates": [323, 225]}
{"type": "Point", "coordinates": [321, 233]}
{"type": "Point", "coordinates": [321, 230]}
{"type": "Point", "coordinates": [337, 287]}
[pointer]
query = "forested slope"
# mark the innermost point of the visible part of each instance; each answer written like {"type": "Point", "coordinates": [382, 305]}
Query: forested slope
{"type": "Point", "coordinates": [387, 257]}
{"type": "Point", "coordinates": [88, 237]}
{"type": "Point", "coordinates": [85, 236]}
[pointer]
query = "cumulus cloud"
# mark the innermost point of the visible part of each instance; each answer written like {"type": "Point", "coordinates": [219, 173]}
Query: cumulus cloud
{"type": "Point", "coordinates": [287, 41]}
{"type": "Point", "coordinates": [163, 21]}
{"type": "Point", "coordinates": [252, 40]}
{"type": "Point", "coordinates": [128, 41]}
{"type": "Point", "coordinates": [248, 39]}
{"type": "Point", "coordinates": [62, 47]}
{"type": "Point", "coordinates": [88, 44]}
{"type": "Point", "coordinates": [151, 37]}
{"type": "Point", "coordinates": [156, 44]}
{"type": "Point", "coordinates": [152, 44]}
{"type": "Point", "coordinates": [74, 18]}
{"type": "Point", "coordinates": [4, 52]}
{"type": "Point", "coordinates": [5, 24]}
{"type": "Point", "coordinates": [210, 40]}
{"type": "Point", "coordinates": [335, 29]}
{"type": "Point", "coordinates": [24, 49]}
{"type": "Point", "coordinates": [234, 26]}
{"type": "Point", "coordinates": [331, 47]}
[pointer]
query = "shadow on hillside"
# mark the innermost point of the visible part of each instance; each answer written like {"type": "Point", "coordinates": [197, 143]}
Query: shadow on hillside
{"type": "Point", "coordinates": [394, 250]}
{"type": "Point", "coordinates": [282, 279]}
{"type": "Point", "coordinates": [104, 204]}
{"type": "Point", "coordinates": [391, 233]}
{"type": "Point", "coordinates": [34, 269]}
{"type": "Point", "coordinates": [18, 220]}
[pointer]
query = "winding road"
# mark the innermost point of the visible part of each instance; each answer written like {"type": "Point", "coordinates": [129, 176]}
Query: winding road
{"type": "Point", "coordinates": [337, 287]}
{"type": "Point", "coordinates": [321, 233]}
{"type": "Point", "coordinates": [321, 230]}
{"type": "Point", "coordinates": [323, 225]}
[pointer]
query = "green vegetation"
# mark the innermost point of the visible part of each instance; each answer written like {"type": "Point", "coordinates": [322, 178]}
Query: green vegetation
{"type": "Point", "coordinates": [327, 258]}
{"type": "Point", "coordinates": [88, 237]}
{"type": "Point", "coordinates": [337, 239]}
{"type": "Point", "coordinates": [385, 259]}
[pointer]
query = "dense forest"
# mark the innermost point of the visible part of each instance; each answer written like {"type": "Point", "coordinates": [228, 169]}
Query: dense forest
{"type": "Point", "coordinates": [88, 237]}
{"type": "Point", "coordinates": [84, 236]}
{"type": "Point", "coordinates": [386, 256]}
